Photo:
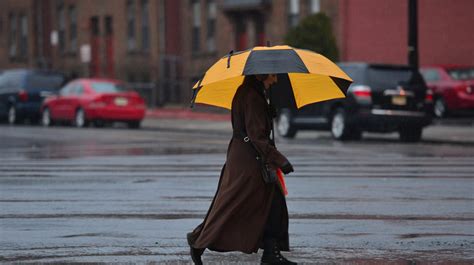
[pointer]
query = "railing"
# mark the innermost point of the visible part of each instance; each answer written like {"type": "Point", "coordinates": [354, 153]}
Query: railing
{"type": "Point", "coordinates": [238, 4]}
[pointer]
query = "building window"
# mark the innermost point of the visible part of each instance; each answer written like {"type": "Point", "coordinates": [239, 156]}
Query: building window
{"type": "Point", "coordinates": [145, 26]}
{"type": "Point", "coordinates": [162, 26]}
{"type": "Point", "coordinates": [108, 26]}
{"type": "Point", "coordinates": [73, 28]}
{"type": "Point", "coordinates": [315, 6]}
{"type": "Point", "coordinates": [12, 35]}
{"type": "Point", "coordinates": [61, 28]}
{"type": "Point", "coordinates": [131, 44]}
{"type": "Point", "coordinates": [23, 36]}
{"type": "Point", "coordinates": [211, 25]}
{"type": "Point", "coordinates": [196, 7]}
{"type": "Point", "coordinates": [294, 13]}
{"type": "Point", "coordinates": [95, 26]}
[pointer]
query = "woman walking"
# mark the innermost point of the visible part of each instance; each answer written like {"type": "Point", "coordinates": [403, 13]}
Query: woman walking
{"type": "Point", "coordinates": [247, 213]}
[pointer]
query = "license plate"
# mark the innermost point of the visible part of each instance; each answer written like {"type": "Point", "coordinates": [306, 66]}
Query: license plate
{"type": "Point", "coordinates": [121, 101]}
{"type": "Point", "coordinates": [399, 100]}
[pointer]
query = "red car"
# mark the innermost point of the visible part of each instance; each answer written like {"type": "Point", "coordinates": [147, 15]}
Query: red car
{"type": "Point", "coordinates": [453, 88]}
{"type": "Point", "coordinates": [94, 100]}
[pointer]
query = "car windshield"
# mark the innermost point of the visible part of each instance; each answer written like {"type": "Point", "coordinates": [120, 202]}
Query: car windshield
{"type": "Point", "coordinates": [388, 77]}
{"type": "Point", "coordinates": [108, 87]}
{"type": "Point", "coordinates": [462, 73]}
{"type": "Point", "coordinates": [44, 81]}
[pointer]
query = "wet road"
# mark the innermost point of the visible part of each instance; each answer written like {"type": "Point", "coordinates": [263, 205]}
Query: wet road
{"type": "Point", "coordinates": [119, 195]}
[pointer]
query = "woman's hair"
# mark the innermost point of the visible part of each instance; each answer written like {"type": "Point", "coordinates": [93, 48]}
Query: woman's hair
{"type": "Point", "coordinates": [252, 79]}
{"type": "Point", "coordinates": [261, 77]}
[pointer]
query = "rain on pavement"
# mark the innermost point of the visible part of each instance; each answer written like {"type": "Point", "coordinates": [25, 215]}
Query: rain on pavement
{"type": "Point", "coordinates": [118, 195]}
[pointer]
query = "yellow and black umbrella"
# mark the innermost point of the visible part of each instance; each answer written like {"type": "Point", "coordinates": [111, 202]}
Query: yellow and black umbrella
{"type": "Point", "coordinates": [304, 77]}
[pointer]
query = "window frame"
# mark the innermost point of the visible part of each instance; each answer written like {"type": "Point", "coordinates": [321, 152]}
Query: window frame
{"type": "Point", "coordinates": [73, 16]}
{"type": "Point", "coordinates": [12, 35]}
{"type": "Point", "coordinates": [211, 25]}
{"type": "Point", "coordinates": [145, 25]}
{"type": "Point", "coordinates": [61, 22]}
{"type": "Point", "coordinates": [131, 24]}
{"type": "Point", "coordinates": [294, 11]}
{"type": "Point", "coordinates": [23, 35]}
{"type": "Point", "coordinates": [196, 26]}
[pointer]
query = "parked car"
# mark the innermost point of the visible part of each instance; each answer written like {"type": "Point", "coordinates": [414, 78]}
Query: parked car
{"type": "Point", "coordinates": [383, 98]}
{"type": "Point", "coordinates": [22, 91]}
{"type": "Point", "coordinates": [82, 101]}
{"type": "Point", "coordinates": [453, 88]}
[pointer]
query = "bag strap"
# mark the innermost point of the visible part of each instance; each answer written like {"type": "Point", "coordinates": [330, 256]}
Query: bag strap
{"type": "Point", "coordinates": [242, 134]}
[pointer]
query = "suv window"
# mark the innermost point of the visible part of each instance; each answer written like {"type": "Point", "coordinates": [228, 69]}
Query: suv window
{"type": "Point", "coordinates": [385, 77]}
{"type": "Point", "coordinates": [354, 72]}
{"type": "Point", "coordinates": [44, 81]}
{"type": "Point", "coordinates": [2, 81]}
{"type": "Point", "coordinates": [430, 75]}
{"type": "Point", "coordinates": [13, 79]}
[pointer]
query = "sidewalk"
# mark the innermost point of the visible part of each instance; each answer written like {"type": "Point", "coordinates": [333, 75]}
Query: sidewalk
{"type": "Point", "coordinates": [186, 114]}
{"type": "Point", "coordinates": [198, 120]}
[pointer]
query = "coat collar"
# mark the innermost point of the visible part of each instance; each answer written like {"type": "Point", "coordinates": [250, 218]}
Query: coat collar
{"type": "Point", "coordinates": [260, 88]}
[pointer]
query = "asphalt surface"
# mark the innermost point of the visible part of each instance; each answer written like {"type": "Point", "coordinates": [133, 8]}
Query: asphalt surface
{"type": "Point", "coordinates": [116, 195]}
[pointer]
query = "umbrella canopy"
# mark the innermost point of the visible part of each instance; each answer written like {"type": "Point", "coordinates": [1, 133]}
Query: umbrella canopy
{"type": "Point", "coordinates": [304, 77]}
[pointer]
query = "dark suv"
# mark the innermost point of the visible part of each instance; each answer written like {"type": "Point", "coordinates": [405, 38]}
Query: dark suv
{"type": "Point", "coordinates": [22, 91]}
{"type": "Point", "coordinates": [383, 98]}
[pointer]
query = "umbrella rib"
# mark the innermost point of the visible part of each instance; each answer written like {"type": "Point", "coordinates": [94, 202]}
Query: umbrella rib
{"type": "Point", "coordinates": [195, 92]}
{"type": "Point", "coordinates": [228, 59]}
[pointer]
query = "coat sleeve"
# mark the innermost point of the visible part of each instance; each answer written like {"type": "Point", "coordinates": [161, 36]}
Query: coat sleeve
{"type": "Point", "coordinates": [255, 123]}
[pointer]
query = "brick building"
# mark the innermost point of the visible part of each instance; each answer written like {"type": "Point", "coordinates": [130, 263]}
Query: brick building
{"type": "Point", "coordinates": [377, 31]}
{"type": "Point", "coordinates": [168, 44]}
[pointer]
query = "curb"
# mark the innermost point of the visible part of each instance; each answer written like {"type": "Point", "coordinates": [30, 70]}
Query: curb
{"type": "Point", "coordinates": [185, 114]}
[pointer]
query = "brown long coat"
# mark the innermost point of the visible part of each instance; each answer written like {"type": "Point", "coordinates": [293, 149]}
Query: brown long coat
{"type": "Point", "coordinates": [240, 208]}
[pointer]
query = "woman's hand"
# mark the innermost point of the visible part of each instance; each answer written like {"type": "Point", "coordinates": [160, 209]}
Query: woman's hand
{"type": "Point", "coordinates": [287, 168]}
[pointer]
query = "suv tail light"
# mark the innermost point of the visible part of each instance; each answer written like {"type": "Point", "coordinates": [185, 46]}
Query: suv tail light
{"type": "Point", "coordinates": [429, 96]}
{"type": "Point", "coordinates": [23, 96]}
{"type": "Point", "coordinates": [363, 94]}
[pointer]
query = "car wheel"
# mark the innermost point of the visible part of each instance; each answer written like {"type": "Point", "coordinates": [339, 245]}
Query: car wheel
{"type": "Point", "coordinates": [285, 127]}
{"type": "Point", "coordinates": [134, 124]}
{"type": "Point", "coordinates": [410, 134]}
{"type": "Point", "coordinates": [339, 127]}
{"type": "Point", "coordinates": [440, 109]}
{"type": "Point", "coordinates": [12, 115]}
{"type": "Point", "coordinates": [46, 118]}
{"type": "Point", "coordinates": [80, 119]}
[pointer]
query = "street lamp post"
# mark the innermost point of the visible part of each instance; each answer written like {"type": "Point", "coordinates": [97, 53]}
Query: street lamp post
{"type": "Point", "coordinates": [413, 33]}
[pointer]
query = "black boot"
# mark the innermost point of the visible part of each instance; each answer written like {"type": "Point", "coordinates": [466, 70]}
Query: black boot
{"type": "Point", "coordinates": [272, 255]}
{"type": "Point", "coordinates": [196, 253]}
